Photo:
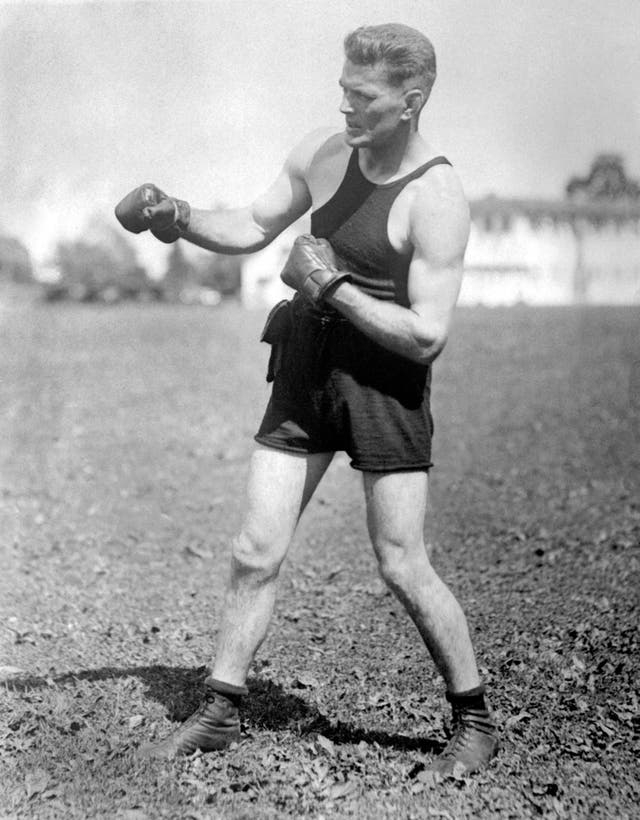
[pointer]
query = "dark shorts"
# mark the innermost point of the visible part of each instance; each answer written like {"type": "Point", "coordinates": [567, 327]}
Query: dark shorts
{"type": "Point", "coordinates": [335, 389]}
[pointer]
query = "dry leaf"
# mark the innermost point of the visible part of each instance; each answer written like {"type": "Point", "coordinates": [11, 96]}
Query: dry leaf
{"type": "Point", "coordinates": [429, 778]}
{"type": "Point", "coordinates": [8, 672]}
{"type": "Point", "coordinates": [36, 782]}
{"type": "Point", "coordinates": [326, 744]}
{"type": "Point", "coordinates": [340, 790]}
{"type": "Point", "coordinates": [307, 681]}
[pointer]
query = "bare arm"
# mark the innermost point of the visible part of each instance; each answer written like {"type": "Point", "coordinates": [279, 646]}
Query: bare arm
{"type": "Point", "coordinates": [438, 233]}
{"type": "Point", "coordinates": [248, 229]}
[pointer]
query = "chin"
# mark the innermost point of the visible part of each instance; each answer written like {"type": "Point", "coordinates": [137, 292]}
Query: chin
{"type": "Point", "coordinates": [357, 140]}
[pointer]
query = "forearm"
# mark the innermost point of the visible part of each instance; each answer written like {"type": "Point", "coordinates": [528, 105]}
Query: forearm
{"type": "Point", "coordinates": [229, 230]}
{"type": "Point", "coordinates": [399, 329]}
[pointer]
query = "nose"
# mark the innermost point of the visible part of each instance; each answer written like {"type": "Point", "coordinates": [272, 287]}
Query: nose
{"type": "Point", "coordinates": [345, 105]}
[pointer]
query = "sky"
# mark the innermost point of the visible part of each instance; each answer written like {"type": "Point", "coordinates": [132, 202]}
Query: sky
{"type": "Point", "coordinates": [206, 98]}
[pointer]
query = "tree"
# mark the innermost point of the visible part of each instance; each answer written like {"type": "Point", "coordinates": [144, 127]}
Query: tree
{"type": "Point", "coordinates": [100, 264]}
{"type": "Point", "coordinates": [222, 273]}
{"type": "Point", "coordinates": [180, 272]}
{"type": "Point", "coordinates": [15, 262]}
{"type": "Point", "coordinates": [606, 181]}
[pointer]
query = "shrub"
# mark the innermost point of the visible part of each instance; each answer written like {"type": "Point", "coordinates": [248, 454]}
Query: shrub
{"type": "Point", "coordinates": [15, 262]}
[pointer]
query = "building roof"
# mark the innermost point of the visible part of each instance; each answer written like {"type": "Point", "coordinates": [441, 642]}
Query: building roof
{"type": "Point", "coordinates": [605, 194]}
{"type": "Point", "coordinates": [562, 209]}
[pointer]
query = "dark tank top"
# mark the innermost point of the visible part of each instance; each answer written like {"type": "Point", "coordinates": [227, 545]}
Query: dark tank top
{"type": "Point", "coordinates": [355, 221]}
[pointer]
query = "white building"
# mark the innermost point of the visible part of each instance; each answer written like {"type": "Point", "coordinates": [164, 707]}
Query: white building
{"type": "Point", "coordinates": [552, 253]}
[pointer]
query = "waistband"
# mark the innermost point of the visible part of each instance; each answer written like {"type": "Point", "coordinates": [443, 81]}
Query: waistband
{"type": "Point", "coordinates": [323, 314]}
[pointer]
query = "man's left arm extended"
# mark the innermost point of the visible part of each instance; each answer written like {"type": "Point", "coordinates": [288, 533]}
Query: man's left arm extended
{"type": "Point", "coordinates": [439, 229]}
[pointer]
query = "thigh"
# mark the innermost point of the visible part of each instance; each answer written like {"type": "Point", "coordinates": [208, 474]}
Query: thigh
{"type": "Point", "coordinates": [280, 485]}
{"type": "Point", "coordinates": [396, 508]}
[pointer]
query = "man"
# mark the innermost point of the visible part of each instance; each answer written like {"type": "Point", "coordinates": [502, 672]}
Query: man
{"type": "Point", "coordinates": [376, 282]}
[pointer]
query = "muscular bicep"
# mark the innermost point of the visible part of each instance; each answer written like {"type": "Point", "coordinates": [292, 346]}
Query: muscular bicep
{"type": "Point", "coordinates": [288, 198]}
{"type": "Point", "coordinates": [439, 232]}
{"type": "Point", "coordinates": [281, 204]}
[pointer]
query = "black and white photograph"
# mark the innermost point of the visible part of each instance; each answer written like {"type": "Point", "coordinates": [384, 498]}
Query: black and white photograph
{"type": "Point", "coordinates": [319, 409]}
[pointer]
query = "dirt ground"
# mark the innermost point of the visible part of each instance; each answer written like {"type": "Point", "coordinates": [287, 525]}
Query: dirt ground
{"type": "Point", "coordinates": [125, 434]}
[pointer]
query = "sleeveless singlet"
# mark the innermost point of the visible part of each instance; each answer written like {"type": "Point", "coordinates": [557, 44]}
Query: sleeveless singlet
{"type": "Point", "coordinates": [355, 221]}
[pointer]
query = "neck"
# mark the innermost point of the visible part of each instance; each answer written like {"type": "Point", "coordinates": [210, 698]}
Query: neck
{"type": "Point", "coordinates": [396, 157]}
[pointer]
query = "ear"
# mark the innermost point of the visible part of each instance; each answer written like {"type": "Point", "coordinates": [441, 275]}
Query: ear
{"type": "Point", "coordinates": [413, 102]}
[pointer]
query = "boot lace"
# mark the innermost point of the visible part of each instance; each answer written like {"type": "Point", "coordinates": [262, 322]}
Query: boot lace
{"type": "Point", "coordinates": [465, 723]}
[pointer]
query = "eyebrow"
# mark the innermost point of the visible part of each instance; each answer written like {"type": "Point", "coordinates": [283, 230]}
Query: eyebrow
{"type": "Point", "coordinates": [362, 91]}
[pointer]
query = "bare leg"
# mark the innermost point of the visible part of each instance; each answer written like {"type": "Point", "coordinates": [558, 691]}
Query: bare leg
{"type": "Point", "coordinates": [396, 507]}
{"type": "Point", "coordinates": [279, 487]}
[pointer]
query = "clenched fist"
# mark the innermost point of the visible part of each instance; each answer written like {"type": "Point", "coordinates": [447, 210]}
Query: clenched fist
{"type": "Point", "coordinates": [312, 269]}
{"type": "Point", "coordinates": [149, 208]}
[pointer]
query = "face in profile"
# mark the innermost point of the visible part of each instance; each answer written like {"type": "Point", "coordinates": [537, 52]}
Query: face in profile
{"type": "Point", "coordinates": [373, 107]}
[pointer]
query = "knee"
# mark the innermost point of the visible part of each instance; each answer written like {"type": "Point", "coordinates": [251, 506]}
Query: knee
{"type": "Point", "coordinates": [402, 564]}
{"type": "Point", "coordinates": [255, 559]}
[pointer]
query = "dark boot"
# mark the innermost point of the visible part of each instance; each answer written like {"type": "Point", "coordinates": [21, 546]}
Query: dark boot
{"type": "Point", "coordinates": [474, 739]}
{"type": "Point", "coordinates": [213, 726]}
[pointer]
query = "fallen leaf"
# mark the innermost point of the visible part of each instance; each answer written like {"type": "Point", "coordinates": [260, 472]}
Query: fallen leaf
{"type": "Point", "coordinates": [197, 551]}
{"type": "Point", "coordinates": [8, 672]}
{"type": "Point", "coordinates": [340, 790]}
{"type": "Point", "coordinates": [429, 778]}
{"type": "Point", "coordinates": [514, 719]}
{"type": "Point", "coordinates": [326, 744]}
{"type": "Point", "coordinates": [358, 673]}
{"type": "Point", "coordinates": [307, 681]}
{"type": "Point", "coordinates": [36, 782]}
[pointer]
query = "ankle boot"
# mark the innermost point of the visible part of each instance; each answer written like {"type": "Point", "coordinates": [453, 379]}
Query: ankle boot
{"type": "Point", "coordinates": [474, 739]}
{"type": "Point", "coordinates": [213, 726]}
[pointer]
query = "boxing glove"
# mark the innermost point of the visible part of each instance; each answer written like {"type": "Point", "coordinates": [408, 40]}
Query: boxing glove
{"type": "Point", "coordinates": [312, 268]}
{"type": "Point", "coordinates": [149, 208]}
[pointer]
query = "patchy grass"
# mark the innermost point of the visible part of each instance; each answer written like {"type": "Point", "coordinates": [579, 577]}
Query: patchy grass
{"type": "Point", "coordinates": [124, 441]}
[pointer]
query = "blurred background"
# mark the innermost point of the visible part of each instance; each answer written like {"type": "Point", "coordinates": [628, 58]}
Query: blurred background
{"type": "Point", "coordinates": [536, 105]}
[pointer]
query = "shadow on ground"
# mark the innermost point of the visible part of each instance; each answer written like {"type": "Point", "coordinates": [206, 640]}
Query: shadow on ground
{"type": "Point", "coordinates": [268, 706]}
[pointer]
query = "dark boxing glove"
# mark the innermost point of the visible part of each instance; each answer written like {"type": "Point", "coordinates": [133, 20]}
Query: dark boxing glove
{"type": "Point", "coordinates": [312, 269]}
{"type": "Point", "coordinates": [149, 208]}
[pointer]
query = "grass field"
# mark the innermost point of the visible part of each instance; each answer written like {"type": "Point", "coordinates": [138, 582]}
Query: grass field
{"type": "Point", "coordinates": [124, 440]}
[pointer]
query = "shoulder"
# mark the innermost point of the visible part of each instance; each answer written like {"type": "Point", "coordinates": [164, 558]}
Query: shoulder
{"type": "Point", "coordinates": [439, 220]}
{"type": "Point", "coordinates": [438, 202]}
{"type": "Point", "coordinates": [439, 188]}
{"type": "Point", "coordinates": [316, 148]}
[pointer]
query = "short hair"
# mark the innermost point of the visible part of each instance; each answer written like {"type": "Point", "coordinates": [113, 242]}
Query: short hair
{"type": "Point", "coordinates": [406, 53]}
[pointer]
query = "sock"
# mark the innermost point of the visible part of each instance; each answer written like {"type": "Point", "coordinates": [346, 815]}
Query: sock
{"type": "Point", "coordinates": [471, 699]}
{"type": "Point", "coordinates": [233, 693]}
